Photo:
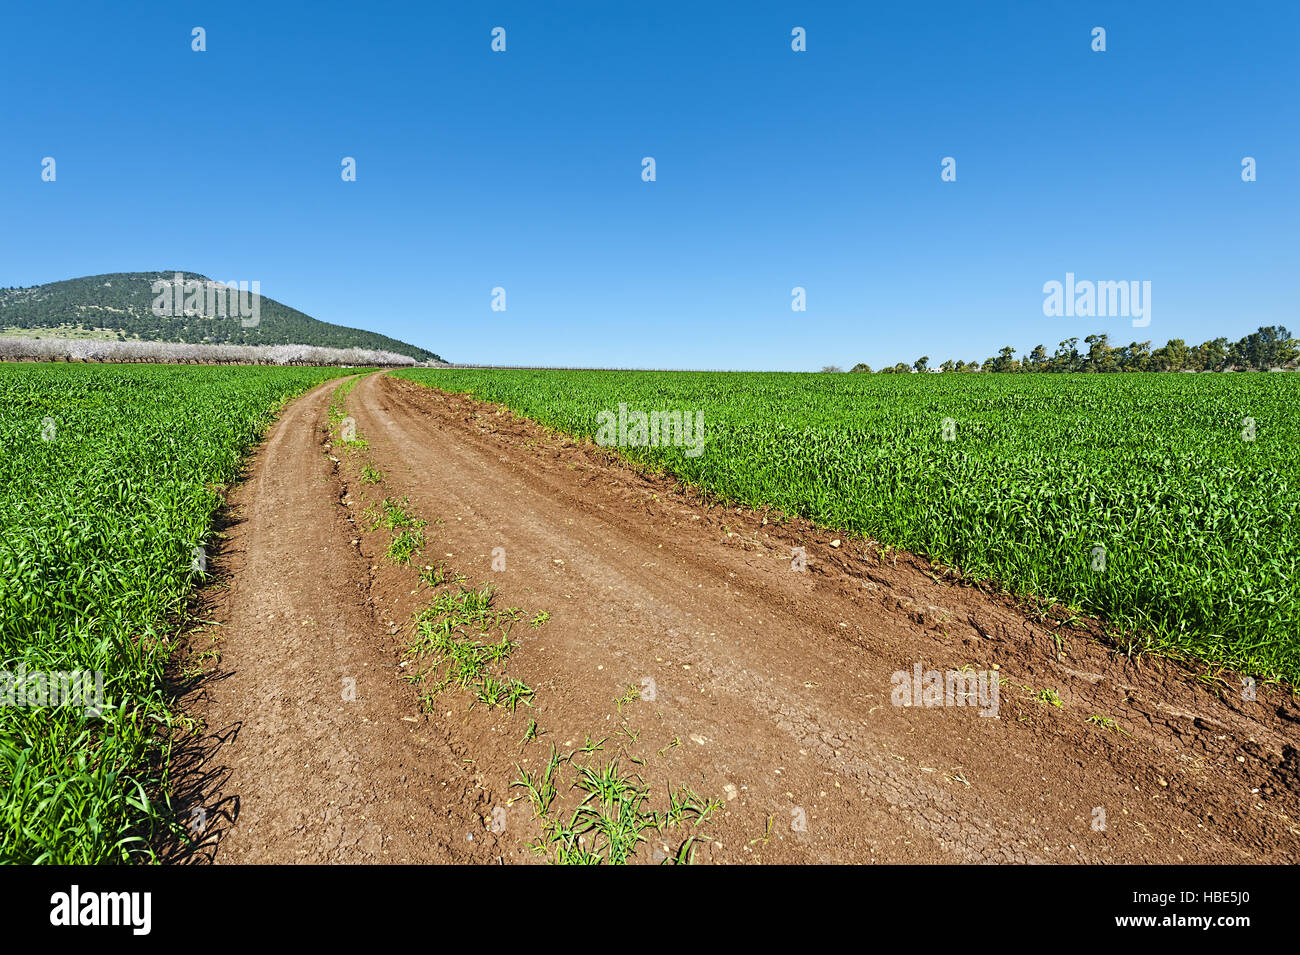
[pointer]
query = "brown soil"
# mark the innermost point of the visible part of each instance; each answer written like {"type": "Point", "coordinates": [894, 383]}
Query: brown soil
{"type": "Point", "coordinates": [293, 772]}
{"type": "Point", "coordinates": [775, 684]}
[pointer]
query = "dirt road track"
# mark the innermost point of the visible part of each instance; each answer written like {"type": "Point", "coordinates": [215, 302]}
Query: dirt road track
{"type": "Point", "coordinates": [297, 773]}
{"type": "Point", "coordinates": [774, 683]}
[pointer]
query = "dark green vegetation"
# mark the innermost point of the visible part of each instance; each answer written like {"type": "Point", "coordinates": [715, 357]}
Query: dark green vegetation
{"type": "Point", "coordinates": [612, 818]}
{"type": "Point", "coordinates": [1262, 350]}
{"type": "Point", "coordinates": [1190, 483]}
{"type": "Point", "coordinates": [449, 648]}
{"type": "Point", "coordinates": [109, 478]}
{"type": "Point", "coordinates": [121, 302]}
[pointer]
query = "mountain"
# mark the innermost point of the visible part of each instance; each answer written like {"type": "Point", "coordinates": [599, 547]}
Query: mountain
{"type": "Point", "coordinates": [122, 305]}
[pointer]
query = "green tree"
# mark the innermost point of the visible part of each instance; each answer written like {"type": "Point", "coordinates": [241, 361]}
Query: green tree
{"type": "Point", "coordinates": [1101, 357]}
{"type": "Point", "coordinates": [1269, 347]}
{"type": "Point", "coordinates": [1211, 355]}
{"type": "Point", "coordinates": [1135, 356]}
{"type": "Point", "coordinates": [1004, 361]}
{"type": "Point", "coordinates": [1067, 357]}
{"type": "Point", "coordinates": [1174, 355]}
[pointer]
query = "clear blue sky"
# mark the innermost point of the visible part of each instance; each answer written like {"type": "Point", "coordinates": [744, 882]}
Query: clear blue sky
{"type": "Point", "coordinates": [775, 169]}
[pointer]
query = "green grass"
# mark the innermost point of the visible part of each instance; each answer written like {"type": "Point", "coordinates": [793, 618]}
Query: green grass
{"type": "Point", "coordinates": [462, 640]}
{"type": "Point", "coordinates": [436, 575]}
{"type": "Point", "coordinates": [1200, 527]}
{"type": "Point", "coordinates": [613, 817]}
{"type": "Point", "coordinates": [393, 515]}
{"type": "Point", "coordinates": [338, 410]}
{"type": "Point", "coordinates": [97, 560]}
{"type": "Point", "coordinates": [408, 536]}
{"type": "Point", "coordinates": [404, 546]}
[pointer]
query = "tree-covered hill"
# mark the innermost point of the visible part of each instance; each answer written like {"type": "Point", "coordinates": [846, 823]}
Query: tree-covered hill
{"type": "Point", "coordinates": [121, 304]}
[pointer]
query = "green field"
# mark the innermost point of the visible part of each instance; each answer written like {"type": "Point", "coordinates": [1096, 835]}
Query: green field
{"type": "Point", "coordinates": [109, 477]}
{"type": "Point", "coordinates": [1198, 513]}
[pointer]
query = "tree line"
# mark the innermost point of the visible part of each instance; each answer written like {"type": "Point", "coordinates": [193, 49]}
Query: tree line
{"type": "Point", "coordinates": [1267, 348]}
{"type": "Point", "coordinates": [179, 353]}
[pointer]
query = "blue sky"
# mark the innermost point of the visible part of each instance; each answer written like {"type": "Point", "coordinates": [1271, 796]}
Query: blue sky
{"type": "Point", "coordinates": [775, 169]}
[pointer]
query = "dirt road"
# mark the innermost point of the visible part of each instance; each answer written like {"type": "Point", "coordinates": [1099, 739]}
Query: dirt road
{"type": "Point", "coordinates": [692, 642]}
{"type": "Point", "coordinates": [294, 770]}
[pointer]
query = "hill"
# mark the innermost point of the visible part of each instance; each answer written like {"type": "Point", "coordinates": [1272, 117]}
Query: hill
{"type": "Point", "coordinates": [120, 306]}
